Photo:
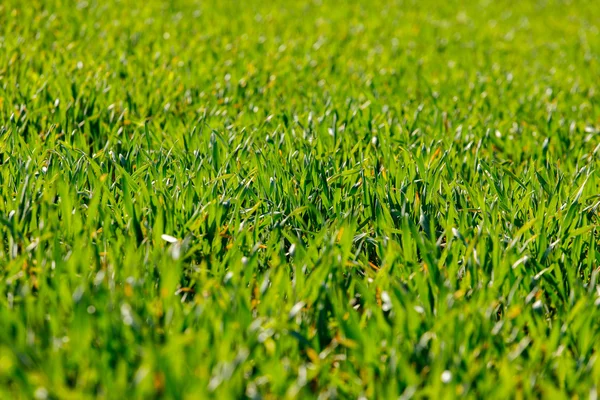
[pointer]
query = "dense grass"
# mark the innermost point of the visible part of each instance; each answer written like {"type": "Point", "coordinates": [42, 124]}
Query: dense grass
{"type": "Point", "coordinates": [270, 199]}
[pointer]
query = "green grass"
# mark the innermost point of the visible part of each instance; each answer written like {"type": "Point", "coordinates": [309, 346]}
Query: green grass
{"type": "Point", "coordinates": [271, 199]}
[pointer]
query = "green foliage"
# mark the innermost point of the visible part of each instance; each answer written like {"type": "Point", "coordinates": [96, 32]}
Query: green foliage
{"type": "Point", "coordinates": [272, 199]}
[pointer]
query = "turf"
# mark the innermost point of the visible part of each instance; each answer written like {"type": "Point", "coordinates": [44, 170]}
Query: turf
{"type": "Point", "coordinates": [272, 199]}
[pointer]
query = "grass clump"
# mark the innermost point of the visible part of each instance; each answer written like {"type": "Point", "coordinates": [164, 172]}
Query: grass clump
{"type": "Point", "coordinates": [299, 199]}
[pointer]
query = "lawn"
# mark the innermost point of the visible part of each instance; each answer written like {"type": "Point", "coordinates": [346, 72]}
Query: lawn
{"type": "Point", "coordinates": [299, 199]}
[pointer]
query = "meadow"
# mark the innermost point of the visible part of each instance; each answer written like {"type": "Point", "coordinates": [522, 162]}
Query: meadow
{"type": "Point", "coordinates": [299, 199]}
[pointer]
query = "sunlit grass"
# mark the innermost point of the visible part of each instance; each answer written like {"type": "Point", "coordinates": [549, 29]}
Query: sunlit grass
{"type": "Point", "coordinates": [299, 199]}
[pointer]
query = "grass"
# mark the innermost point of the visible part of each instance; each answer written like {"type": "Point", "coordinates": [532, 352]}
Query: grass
{"type": "Point", "coordinates": [299, 199]}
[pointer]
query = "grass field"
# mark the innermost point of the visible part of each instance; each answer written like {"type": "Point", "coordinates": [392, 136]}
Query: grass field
{"type": "Point", "coordinates": [301, 199]}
